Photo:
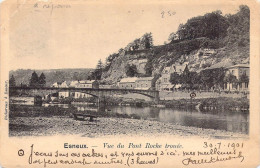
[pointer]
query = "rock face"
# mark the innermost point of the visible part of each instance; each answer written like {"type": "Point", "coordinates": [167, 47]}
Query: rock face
{"type": "Point", "coordinates": [198, 59]}
{"type": "Point", "coordinates": [117, 69]}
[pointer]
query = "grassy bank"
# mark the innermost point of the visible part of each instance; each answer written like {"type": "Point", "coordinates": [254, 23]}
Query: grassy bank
{"type": "Point", "coordinates": [224, 103]}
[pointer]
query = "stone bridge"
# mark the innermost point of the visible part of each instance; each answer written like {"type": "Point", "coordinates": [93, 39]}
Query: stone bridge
{"type": "Point", "coordinates": [99, 93]}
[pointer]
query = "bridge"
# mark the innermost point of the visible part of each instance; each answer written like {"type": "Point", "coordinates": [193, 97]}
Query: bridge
{"type": "Point", "coordinates": [98, 93]}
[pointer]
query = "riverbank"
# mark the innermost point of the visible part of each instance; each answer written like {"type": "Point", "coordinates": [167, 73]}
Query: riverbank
{"type": "Point", "coordinates": [109, 127]}
{"type": "Point", "coordinates": [237, 104]}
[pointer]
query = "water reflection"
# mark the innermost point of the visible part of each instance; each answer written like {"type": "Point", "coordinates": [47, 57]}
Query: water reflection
{"type": "Point", "coordinates": [234, 122]}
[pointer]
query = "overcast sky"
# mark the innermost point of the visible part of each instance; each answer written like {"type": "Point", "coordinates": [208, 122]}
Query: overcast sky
{"type": "Point", "coordinates": [78, 36]}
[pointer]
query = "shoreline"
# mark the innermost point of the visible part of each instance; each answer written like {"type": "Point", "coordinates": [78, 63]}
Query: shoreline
{"type": "Point", "coordinates": [238, 104]}
{"type": "Point", "coordinates": [109, 127]}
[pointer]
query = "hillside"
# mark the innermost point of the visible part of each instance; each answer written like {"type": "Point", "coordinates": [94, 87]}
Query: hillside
{"type": "Point", "coordinates": [52, 75]}
{"type": "Point", "coordinates": [227, 37]}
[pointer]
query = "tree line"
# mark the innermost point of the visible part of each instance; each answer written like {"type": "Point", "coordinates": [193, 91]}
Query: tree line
{"type": "Point", "coordinates": [231, 28]}
{"type": "Point", "coordinates": [209, 78]}
{"type": "Point", "coordinates": [35, 81]}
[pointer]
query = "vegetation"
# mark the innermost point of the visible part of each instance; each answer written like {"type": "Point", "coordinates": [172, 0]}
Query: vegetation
{"type": "Point", "coordinates": [244, 78]}
{"type": "Point", "coordinates": [12, 81]}
{"type": "Point", "coordinates": [42, 80]}
{"type": "Point", "coordinates": [97, 73]}
{"type": "Point", "coordinates": [52, 75]}
{"type": "Point", "coordinates": [145, 42]}
{"type": "Point", "coordinates": [224, 104]}
{"type": "Point", "coordinates": [36, 81]}
{"type": "Point", "coordinates": [211, 25]}
{"type": "Point", "coordinates": [205, 79]}
{"type": "Point", "coordinates": [233, 28]}
{"type": "Point", "coordinates": [230, 33]}
{"type": "Point", "coordinates": [212, 78]}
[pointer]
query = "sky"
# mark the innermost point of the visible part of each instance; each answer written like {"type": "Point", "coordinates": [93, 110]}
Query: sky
{"type": "Point", "coordinates": [77, 35]}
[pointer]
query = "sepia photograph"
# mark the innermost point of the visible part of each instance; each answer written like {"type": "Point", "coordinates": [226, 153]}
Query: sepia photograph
{"type": "Point", "coordinates": [139, 70]}
{"type": "Point", "coordinates": [114, 83]}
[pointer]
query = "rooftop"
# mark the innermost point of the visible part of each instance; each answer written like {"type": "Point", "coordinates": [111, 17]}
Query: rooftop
{"type": "Point", "coordinates": [133, 79]}
{"type": "Point", "coordinates": [239, 66]}
{"type": "Point", "coordinates": [86, 81]}
{"type": "Point", "coordinates": [144, 78]}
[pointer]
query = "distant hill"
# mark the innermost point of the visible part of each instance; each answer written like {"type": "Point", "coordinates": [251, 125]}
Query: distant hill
{"type": "Point", "coordinates": [52, 75]}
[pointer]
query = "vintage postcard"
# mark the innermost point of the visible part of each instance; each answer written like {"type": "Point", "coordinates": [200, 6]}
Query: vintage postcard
{"type": "Point", "coordinates": [113, 83]}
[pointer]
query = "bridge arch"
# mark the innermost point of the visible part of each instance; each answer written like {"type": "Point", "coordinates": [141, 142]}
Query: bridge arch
{"type": "Point", "coordinates": [99, 93]}
{"type": "Point", "coordinates": [147, 95]}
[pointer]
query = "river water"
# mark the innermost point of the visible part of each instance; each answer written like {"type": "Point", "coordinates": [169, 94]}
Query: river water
{"type": "Point", "coordinates": [229, 121]}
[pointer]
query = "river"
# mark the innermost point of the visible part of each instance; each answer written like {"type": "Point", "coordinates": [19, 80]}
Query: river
{"type": "Point", "coordinates": [230, 121]}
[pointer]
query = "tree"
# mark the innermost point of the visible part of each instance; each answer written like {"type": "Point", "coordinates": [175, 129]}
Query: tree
{"type": "Point", "coordinates": [42, 80]}
{"type": "Point", "coordinates": [121, 50]}
{"type": "Point", "coordinates": [238, 31]}
{"type": "Point", "coordinates": [12, 81]}
{"type": "Point", "coordinates": [173, 36]}
{"type": "Point", "coordinates": [131, 70]}
{"type": "Point", "coordinates": [186, 78]}
{"type": "Point", "coordinates": [34, 81]}
{"type": "Point", "coordinates": [194, 78]}
{"type": "Point", "coordinates": [212, 77]}
{"type": "Point", "coordinates": [230, 78]}
{"type": "Point", "coordinates": [181, 32]}
{"type": "Point", "coordinates": [99, 65]}
{"type": "Point", "coordinates": [147, 41]}
{"type": "Point", "coordinates": [244, 78]}
{"type": "Point", "coordinates": [149, 67]}
{"type": "Point", "coordinates": [97, 73]}
{"type": "Point", "coordinates": [175, 78]}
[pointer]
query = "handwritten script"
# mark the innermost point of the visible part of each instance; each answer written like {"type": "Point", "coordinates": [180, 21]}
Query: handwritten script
{"type": "Point", "coordinates": [137, 154]}
{"type": "Point", "coordinates": [51, 6]}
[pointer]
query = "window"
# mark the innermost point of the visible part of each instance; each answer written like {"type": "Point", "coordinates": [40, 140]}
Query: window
{"type": "Point", "coordinates": [232, 72]}
{"type": "Point", "coordinates": [165, 79]}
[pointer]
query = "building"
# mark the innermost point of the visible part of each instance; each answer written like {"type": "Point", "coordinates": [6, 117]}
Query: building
{"type": "Point", "coordinates": [242, 74]}
{"type": "Point", "coordinates": [144, 83]}
{"type": "Point", "coordinates": [163, 83]}
{"type": "Point", "coordinates": [60, 84]}
{"type": "Point", "coordinates": [78, 95]}
{"type": "Point", "coordinates": [127, 83]}
{"type": "Point", "coordinates": [63, 94]}
{"type": "Point", "coordinates": [74, 84]}
{"type": "Point", "coordinates": [88, 84]}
